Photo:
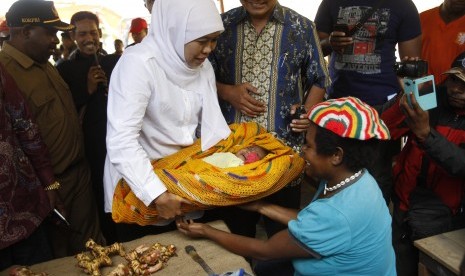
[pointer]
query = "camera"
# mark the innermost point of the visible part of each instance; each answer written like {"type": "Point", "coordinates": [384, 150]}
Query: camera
{"type": "Point", "coordinates": [415, 82]}
{"type": "Point", "coordinates": [423, 89]}
{"type": "Point", "coordinates": [411, 68]}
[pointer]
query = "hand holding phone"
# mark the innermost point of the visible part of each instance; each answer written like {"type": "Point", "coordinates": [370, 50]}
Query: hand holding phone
{"type": "Point", "coordinates": [341, 28]}
{"type": "Point", "coordinates": [338, 41]}
{"type": "Point", "coordinates": [424, 91]}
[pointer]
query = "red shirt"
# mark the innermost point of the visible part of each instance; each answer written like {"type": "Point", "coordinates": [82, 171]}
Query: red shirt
{"type": "Point", "coordinates": [441, 42]}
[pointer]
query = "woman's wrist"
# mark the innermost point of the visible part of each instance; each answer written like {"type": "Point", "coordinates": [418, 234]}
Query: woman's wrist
{"type": "Point", "coordinates": [262, 208]}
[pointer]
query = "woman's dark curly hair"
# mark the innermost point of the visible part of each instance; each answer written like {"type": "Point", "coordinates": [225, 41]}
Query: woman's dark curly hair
{"type": "Point", "coordinates": [357, 153]}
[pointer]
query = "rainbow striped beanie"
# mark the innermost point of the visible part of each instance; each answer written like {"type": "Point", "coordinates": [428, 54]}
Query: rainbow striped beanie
{"type": "Point", "coordinates": [349, 117]}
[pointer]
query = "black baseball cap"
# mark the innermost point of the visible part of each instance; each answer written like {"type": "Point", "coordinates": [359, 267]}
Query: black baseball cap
{"type": "Point", "coordinates": [35, 12]}
{"type": "Point", "coordinates": [458, 67]}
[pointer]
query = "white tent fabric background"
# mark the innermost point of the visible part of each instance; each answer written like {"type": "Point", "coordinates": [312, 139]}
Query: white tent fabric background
{"type": "Point", "coordinates": [308, 8]}
{"type": "Point", "coordinates": [129, 9]}
{"type": "Point", "coordinates": [125, 10]}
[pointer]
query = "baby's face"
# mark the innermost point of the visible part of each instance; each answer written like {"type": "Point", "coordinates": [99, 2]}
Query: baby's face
{"type": "Point", "coordinates": [251, 154]}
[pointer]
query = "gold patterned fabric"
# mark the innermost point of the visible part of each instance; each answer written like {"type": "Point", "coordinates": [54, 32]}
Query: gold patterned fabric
{"type": "Point", "coordinates": [185, 174]}
{"type": "Point", "coordinates": [257, 59]}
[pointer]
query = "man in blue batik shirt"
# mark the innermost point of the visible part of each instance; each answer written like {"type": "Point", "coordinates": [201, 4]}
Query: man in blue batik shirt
{"type": "Point", "coordinates": [267, 63]}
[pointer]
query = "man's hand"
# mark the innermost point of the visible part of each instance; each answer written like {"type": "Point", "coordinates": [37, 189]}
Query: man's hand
{"type": "Point", "coordinates": [56, 202]}
{"type": "Point", "coordinates": [299, 125]}
{"type": "Point", "coordinates": [95, 76]}
{"type": "Point", "coordinates": [191, 228]}
{"type": "Point", "coordinates": [338, 41]}
{"type": "Point", "coordinates": [416, 118]}
{"type": "Point", "coordinates": [239, 97]}
{"type": "Point", "coordinates": [168, 205]}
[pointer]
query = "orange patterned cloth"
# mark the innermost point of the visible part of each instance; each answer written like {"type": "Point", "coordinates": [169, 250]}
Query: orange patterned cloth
{"type": "Point", "coordinates": [185, 174]}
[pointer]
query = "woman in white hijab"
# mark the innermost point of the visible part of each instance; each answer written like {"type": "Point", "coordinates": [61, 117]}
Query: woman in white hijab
{"type": "Point", "coordinates": [161, 91]}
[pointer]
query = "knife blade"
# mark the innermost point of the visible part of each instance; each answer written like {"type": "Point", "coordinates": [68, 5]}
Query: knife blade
{"type": "Point", "coordinates": [61, 216]}
{"type": "Point", "coordinates": [66, 222]}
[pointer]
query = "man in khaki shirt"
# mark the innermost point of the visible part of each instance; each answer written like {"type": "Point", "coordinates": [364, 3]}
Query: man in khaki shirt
{"type": "Point", "coordinates": [33, 27]}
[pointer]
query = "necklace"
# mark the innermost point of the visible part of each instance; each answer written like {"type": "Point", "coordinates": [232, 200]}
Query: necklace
{"type": "Point", "coordinates": [342, 183]}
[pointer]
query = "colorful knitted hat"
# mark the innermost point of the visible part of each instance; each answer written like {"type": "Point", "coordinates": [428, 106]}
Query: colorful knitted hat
{"type": "Point", "coordinates": [350, 118]}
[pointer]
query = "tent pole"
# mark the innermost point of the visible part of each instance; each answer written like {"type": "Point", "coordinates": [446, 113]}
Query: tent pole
{"type": "Point", "coordinates": [221, 6]}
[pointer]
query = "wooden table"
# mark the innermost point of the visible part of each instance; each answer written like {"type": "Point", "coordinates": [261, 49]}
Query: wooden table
{"type": "Point", "coordinates": [219, 259]}
{"type": "Point", "coordinates": [442, 254]}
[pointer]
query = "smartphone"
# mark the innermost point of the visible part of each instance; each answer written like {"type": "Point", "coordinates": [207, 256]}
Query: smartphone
{"type": "Point", "coordinates": [341, 28]}
{"type": "Point", "coordinates": [424, 91]}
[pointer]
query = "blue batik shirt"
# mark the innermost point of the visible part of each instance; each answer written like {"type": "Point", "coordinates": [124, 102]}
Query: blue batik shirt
{"type": "Point", "coordinates": [283, 62]}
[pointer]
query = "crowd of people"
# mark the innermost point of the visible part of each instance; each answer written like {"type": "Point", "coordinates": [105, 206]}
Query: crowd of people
{"type": "Point", "coordinates": [326, 88]}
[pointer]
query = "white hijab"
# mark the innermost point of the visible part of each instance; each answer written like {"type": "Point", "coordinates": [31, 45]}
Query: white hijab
{"type": "Point", "coordinates": [175, 23]}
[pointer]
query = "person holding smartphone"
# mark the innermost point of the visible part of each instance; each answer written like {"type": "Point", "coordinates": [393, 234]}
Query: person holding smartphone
{"type": "Point", "coordinates": [362, 58]}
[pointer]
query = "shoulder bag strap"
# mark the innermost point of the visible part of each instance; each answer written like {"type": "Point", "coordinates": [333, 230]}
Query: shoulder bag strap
{"type": "Point", "coordinates": [365, 17]}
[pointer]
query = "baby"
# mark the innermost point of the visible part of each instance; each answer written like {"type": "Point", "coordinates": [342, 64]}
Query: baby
{"type": "Point", "coordinates": [244, 156]}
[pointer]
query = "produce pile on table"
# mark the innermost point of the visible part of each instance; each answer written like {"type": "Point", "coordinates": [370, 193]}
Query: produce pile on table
{"type": "Point", "coordinates": [143, 260]}
{"type": "Point", "coordinates": [24, 271]}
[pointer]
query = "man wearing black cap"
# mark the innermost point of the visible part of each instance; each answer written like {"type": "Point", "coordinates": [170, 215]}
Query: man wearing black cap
{"type": "Point", "coordinates": [33, 26]}
{"type": "Point", "coordinates": [430, 167]}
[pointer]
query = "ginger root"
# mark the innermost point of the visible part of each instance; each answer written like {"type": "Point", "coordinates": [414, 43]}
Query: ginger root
{"type": "Point", "coordinates": [24, 271]}
{"type": "Point", "coordinates": [120, 270]}
{"type": "Point", "coordinates": [99, 256]}
{"type": "Point", "coordinates": [143, 260]}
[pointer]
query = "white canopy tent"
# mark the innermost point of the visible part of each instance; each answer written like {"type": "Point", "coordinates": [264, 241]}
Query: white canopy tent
{"type": "Point", "coordinates": [117, 14]}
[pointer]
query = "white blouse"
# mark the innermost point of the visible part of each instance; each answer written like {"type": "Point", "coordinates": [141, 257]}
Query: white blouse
{"type": "Point", "coordinates": [149, 119]}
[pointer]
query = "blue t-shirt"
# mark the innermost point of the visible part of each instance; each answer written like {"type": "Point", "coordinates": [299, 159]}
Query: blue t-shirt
{"type": "Point", "coordinates": [366, 68]}
{"type": "Point", "coordinates": [350, 230]}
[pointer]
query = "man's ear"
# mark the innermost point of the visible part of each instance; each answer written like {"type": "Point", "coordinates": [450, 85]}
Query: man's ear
{"type": "Point", "coordinates": [99, 33]}
{"type": "Point", "coordinates": [338, 156]}
{"type": "Point", "coordinates": [26, 31]}
{"type": "Point", "coordinates": [72, 35]}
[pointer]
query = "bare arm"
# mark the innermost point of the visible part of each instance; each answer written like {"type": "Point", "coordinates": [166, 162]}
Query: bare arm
{"type": "Point", "coordinates": [280, 245]}
{"type": "Point", "coordinates": [410, 48]}
{"type": "Point", "coordinates": [315, 95]}
{"type": "Point", "coordinates": [275, 212]}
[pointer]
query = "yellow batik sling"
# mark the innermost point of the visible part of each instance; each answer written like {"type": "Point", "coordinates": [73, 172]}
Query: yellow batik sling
{"type": "Point", "coordinates": [206, 186]}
